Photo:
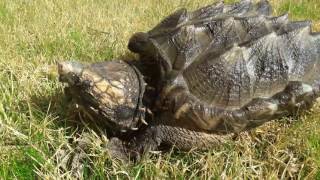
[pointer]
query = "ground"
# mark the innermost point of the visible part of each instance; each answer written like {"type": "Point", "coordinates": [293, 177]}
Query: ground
{"type": "Point", "coordinates": [35, 125]}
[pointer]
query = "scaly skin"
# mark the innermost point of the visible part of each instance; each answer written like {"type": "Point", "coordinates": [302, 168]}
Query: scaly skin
{"type": "Point", "coordinates": [236, 72]}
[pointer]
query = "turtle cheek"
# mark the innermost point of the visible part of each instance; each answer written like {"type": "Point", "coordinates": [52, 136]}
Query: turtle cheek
{"type": "Point", "coordinates": [64, 78]}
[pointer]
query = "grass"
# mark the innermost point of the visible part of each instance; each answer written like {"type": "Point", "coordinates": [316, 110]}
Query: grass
{"type": "Point", "coordinates": [34, 126]}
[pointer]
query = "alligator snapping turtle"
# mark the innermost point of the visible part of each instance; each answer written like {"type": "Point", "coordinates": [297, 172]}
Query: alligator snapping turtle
{"type": "Point", "coordinates": [219, 70]}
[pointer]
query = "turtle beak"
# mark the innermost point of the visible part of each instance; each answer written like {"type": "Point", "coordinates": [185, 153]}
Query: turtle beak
{"type": "Point", "coordinates": [61, 72]}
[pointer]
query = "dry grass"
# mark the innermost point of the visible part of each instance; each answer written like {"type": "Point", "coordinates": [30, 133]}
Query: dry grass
{"type": "Point", "coordinates": [34, 123]}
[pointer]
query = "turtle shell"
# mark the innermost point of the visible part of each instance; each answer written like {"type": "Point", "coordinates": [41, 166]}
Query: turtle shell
{"type": "Point", "coordinates": [176, 41]}
{"type": "Point", "coordinates": [110, 92]}
{"type": "Point", "coordinates": [227, 55]}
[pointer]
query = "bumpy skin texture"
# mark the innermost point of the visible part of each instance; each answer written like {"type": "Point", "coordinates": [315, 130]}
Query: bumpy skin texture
{"type": "Point", "coordinates": [179, 39]}
{"type": "Point", "coordinates": [221, 70]}
{"type": "Point", "coordinates": [109, 92]}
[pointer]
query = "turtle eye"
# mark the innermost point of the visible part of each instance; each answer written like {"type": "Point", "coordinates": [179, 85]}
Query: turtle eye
{"type": "Point", "coordinates": [86, 83]}
{"type": "Point", "coordinates": [124, 112]}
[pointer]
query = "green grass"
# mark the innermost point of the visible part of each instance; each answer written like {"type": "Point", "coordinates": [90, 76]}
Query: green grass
{"type": "Point", "coordinates": [34, 124]}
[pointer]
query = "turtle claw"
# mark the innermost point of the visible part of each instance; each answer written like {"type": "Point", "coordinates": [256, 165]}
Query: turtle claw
{"type": "Point", "coordinates": [144, 121]}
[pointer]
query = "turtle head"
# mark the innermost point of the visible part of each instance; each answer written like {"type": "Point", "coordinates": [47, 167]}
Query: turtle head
{"type": "Point", "coordinates": [70, 71]}
{"type": "Point", "coordinates": [109, 92]}
{"type": "Point", "coordinates": [139, 42]}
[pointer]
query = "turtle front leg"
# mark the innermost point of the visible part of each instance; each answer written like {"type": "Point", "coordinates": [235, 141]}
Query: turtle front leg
{"type": "Point", "coordinates": [157, 135]}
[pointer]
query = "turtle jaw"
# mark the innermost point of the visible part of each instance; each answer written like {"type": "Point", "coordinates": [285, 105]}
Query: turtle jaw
{"type": "Point", "coordinates": [70, 72]}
